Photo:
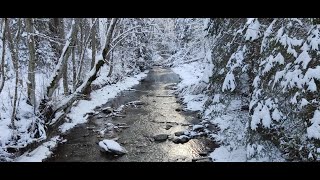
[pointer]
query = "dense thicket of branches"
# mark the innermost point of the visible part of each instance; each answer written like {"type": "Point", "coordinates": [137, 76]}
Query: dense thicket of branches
{"type": "Point", "coordinates": [47, 64]}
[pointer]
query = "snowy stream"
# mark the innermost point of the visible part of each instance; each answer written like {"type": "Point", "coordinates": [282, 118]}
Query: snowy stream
{"type": "Point", "coordinates": [136, 125]}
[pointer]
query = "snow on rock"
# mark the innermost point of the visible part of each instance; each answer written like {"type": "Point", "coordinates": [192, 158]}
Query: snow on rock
{"type": "Point", "coordinates": [181, 139]}
{"type": "Point", "coordinates": [40, 153]}
{"type": "Point", "coordinates": [112, 147]}
{"type": "Point", "coordinates": [99, 97]}
{"type": "Point", "coordinates": [197, 127]}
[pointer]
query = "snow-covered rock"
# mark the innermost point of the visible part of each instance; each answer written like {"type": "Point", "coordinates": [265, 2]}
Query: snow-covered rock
{"type": "Point", "coordinates": [197, 127]}
{"type": "Point", "coordinates": [181, 139]}
{"type": "Point", "coordinates": [112, 146]}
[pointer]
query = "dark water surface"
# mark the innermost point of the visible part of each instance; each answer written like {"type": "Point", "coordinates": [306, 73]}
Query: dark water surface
{"type": "Point", "coordinates": [144, 121]}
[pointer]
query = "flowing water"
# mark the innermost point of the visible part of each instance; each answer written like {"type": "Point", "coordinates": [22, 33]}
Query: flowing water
{"type": "Point", "coordinates": [158, 110]}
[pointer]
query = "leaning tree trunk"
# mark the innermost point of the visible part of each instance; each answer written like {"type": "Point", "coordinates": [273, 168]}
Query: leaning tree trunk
{"type": "Point", "coordinates": [57, 74]}
{"type": "Point", "coordinates": [84, 88]}
{"type": "Point", "coordinates": [31, 84]}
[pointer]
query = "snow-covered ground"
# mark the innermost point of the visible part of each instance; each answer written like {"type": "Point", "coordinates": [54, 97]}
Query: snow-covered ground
{"type": "Point", "coordinates": [41, 152]}
{"type": "Point", "coordinates": [194, 77]}
{"type": "Point", "coordinates": [25, 118]}
{"type": "Point", "coordinates": [99, 97]}
{"type": "Point", "coordinates": [225, 113]}
{"type": "Point", "coordinates": [77, 115]}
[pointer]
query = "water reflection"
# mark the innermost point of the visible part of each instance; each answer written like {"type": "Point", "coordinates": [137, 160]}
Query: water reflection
{"type": "Point", "coordinates": [144, 121]}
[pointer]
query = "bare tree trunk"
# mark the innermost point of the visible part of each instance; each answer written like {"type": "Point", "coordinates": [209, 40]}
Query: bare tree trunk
{"type": "Point", "coordinates": [81, 50]}
{"type": "Point", "coordinates": [53, 81]}
{"type": "Point", "coordinates": [93, 43]}
{"type": "Point", "coordinates": [74, 70]}
{"type": "Point", "coordinates": [111, 66]}
{"type": "Point", "coordinates": [3, 53]}
{"type": "Point", "coordinates": [31, 84]}
{"type": "Point", "coordinates": [54, 25]}
{"type": "Point", "coordinates": [92, 75]}
{"type": "Point", "coordinates": [65, 62]}
{"type": "Point", "coordinates": [74, 44]}
{"type": "Point", "coordinates": [15, 61]}
{"type": "Point", "coordinates": [84, 47]}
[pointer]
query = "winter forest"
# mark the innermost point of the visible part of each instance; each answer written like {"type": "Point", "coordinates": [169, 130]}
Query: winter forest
{"type": "Point", "coordinates": [159, 89]}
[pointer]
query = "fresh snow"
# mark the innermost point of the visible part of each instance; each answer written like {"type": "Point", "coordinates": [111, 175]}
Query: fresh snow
{"type": "Point", "coordinates": [229, 82]}
{"type": "Point", "coordinates": [261, 113]}
{"type": "Point", "coordinates": [314, 130]}
{"type": "Point", "coordinates": [222, 154]}
{"type": "Point", "coordinates": [40, 153]}
{"type": "Point", "coordinates": [303, 58]}
{"type": "Point", "coordinates": [196, 127]}
{"type": "Point", "coordinates": [99, 97]}
{"type": "Point", "coordinates": [111, 146]}
{"type": "Point", "coordinates": [194, 76]}
{"type": "Point", "coordinates": [253, 31]}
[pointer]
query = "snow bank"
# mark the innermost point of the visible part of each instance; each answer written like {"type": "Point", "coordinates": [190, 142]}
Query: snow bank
{"type": "Point", "coordinates": [222, 154]}
{"type": "Point", "coordinates": [194, 78]}
{"type": "Point", "coordinates": [42, 152]}
{"type": "Point", "coordinates": [99, 97]}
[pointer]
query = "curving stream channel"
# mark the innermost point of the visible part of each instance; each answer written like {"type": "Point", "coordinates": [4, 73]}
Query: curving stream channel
{"type": "Point", "coordinates": [156, 114]}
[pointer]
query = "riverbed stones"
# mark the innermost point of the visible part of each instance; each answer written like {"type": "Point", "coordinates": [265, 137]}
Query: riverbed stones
{"type": "Point", "coordinates": [161, 137]}
{"type": "Point", "coordinates": [179, 133]}
{"type": "Point", "coordinates": [107, 110]}
{"type": "Point", "coordinates": [197, 127]}
{"type": "Point", "coordinates": [135, 103]}
{"type": "Point", "coordinates": [181, 139]}
{"type": "Point", "coordinates": [111, 146]}
{"type": "Point", "coordinates": [203, 153]}
{"type": "Point", "coordinates": [202, 159]}
{"type": "Point", "coordinates": [168, 126]}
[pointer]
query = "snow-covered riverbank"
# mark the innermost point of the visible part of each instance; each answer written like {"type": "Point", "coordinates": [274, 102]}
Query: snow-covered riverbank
{"type": "Point", "coordinates": [77, 115]}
